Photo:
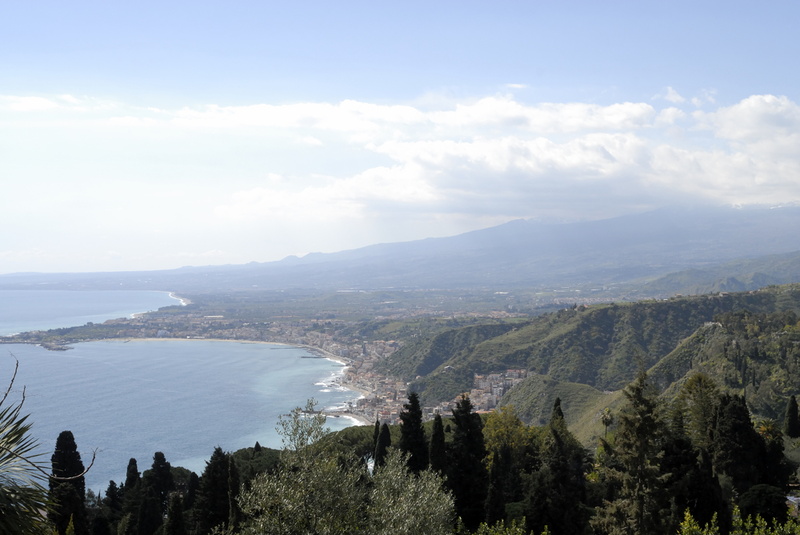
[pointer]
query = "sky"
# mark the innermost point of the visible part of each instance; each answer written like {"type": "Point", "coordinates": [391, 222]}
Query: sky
{"type": "Point", "coordinates": [154, 135]}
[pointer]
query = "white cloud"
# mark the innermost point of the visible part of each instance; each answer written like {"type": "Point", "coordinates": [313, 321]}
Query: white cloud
{"type": "Point", "coordinates": [310, 140]}
{"type": "Point", "coordinates": [27, 104]}
{"type": "Point", "coordinates": [671, 95]}
{"type": "Point", "coordinates": [755, 118]}
{"type": "Point", "coordinates": [59, 103]}
{"type": "Point", "coordinates": [545, 118]}
{"type": "Point", "coordinates": [208, 180]}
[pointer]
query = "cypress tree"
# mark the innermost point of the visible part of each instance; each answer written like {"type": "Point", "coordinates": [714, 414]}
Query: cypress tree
{"type": "Point", "coordinates": [212, 505]}
{"type": "Point", "coordinates": [556, 495]}
{"type": "Point", "coordinates": [381, 448]}
{"type": "Point", "coordinates": [234, 514]}
{"type": "Point", "coordinates": [159, 478]}
{"type": "Point", "coordinates": [174, 524]}
{"type": "Point", "coordinates": [557, 413]}
{"type": "Point", "coordinates": [132, 495]}
{"type": "Point", "coordinates": [502, 475]}
{"type": "Point", "coordinates": [467, 476]}
{"type": "Point", "coordinates": [112, 503]}
{"type": "Point", "coordinates": [791, 424]}
{"type": "Point", "coordinates": [149, 516]}
{"type": "Point", "coordinates": [376, 432]}
{"type": "Point", "coordinates": [192, 487]}
{"type": "Point", "coordinates": [132, 476]}
{"type": "Point", "coordinates": [412, 435]}
{"type": "Point", "coordinates": [69, 493]}
{"type": "Point", "coordinates": [437, 454]}
{"type": "Point", "coordinates": [738, 450]}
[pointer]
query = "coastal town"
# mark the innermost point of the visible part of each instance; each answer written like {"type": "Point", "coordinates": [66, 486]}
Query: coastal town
{"type": "Point", "coordinates": [383, 398]}
{"type": "Point", "coordinates": [376, 395]}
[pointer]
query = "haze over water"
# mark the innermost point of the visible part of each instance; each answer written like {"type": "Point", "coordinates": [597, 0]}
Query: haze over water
{"type": "Point", "coordinates": [181, 397]}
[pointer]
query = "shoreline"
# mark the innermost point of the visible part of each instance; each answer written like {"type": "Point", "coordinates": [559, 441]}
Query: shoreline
{"type": "Point", "coordinates": [184, 301]}
{"type": "Point", "coordinates": [359, 419]}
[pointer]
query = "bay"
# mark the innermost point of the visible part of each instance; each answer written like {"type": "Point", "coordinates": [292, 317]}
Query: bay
{"type": "Point", "coordinates": [127, 399]}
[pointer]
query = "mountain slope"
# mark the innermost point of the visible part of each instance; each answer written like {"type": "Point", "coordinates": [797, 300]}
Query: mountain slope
{"type": "Point", "coordinates": [600, 346]}
{"type": "Point", "coordinates": [517, 254]}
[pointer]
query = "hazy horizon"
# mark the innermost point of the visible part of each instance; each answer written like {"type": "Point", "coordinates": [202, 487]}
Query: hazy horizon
{"type": "Point", "coordinates": [149, 136]}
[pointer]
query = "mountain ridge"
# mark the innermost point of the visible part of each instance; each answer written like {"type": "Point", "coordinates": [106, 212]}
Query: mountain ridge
{"type": "Point", "coordinates": [632, 249]}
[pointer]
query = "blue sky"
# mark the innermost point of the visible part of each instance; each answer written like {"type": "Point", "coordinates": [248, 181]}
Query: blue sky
{"type": "Point", "coordinates": [154, 135]}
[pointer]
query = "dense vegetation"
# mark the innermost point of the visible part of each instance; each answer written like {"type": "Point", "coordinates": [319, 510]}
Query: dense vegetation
{"type": "Point", "coordinates": [601, 346]}
{"type": "Point", "coordinates": [681, 416]}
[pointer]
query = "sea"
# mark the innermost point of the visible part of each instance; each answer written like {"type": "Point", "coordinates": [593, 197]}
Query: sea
{"type": "Point", "coordinates": [129, 399]}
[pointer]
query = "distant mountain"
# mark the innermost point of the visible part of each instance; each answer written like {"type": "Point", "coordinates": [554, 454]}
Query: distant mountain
{"type": "Point", "coordinates": [520, 253]}
{"type": "Point", "coordinates": [735, 276]}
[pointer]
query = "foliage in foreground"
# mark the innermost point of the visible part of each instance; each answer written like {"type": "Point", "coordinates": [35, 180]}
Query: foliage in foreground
{"type": "Point", "coordinates": [327, 492]}
{"type": "Point", "coordinates": [22, 494]}
{"type": "Point", "coordinates": [741, 526]}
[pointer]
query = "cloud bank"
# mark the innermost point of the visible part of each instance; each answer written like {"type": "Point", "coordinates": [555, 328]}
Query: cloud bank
{"type": "Point", "coordinates": [257, 182]}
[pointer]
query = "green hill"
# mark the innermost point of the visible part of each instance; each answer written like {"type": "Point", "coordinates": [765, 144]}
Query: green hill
{"type": "Point", "coordinates": [749, 342]}
{"type": "Point", "coordinates": [601, 346]}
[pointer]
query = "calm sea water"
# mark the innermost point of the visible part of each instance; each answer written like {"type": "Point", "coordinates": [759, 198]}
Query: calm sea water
{"type": "Point", "coordinates": [180, 397]}
{"type": "Point", "coordinates": [29, 310]}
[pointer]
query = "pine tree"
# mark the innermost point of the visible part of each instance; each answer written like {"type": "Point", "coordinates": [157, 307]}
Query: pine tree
{"type": "Point", "coordinates": [791, 424]}
{"type": "Point", "coordinates": [382, 447]}
{"type": "Point", "coordinates": [412, 435]}
{"type": "Point", "coordinates": [68, 487]}
{"type": "Point", "coordinates": [635, 456]}
{"type": "Point", "coordinates": [467, 476]}
{"type": "Point", "coordinates": [437, 453]}
{"type": "Point", "coordinates": [698, 399]}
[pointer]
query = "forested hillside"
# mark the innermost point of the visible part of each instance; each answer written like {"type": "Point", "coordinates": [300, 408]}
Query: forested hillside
{"type": "Point", "coordinates": [603, 346]}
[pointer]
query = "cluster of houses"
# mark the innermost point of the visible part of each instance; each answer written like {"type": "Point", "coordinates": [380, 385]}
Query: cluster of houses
{"type": "Point", "coordinates": [384, 397]}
